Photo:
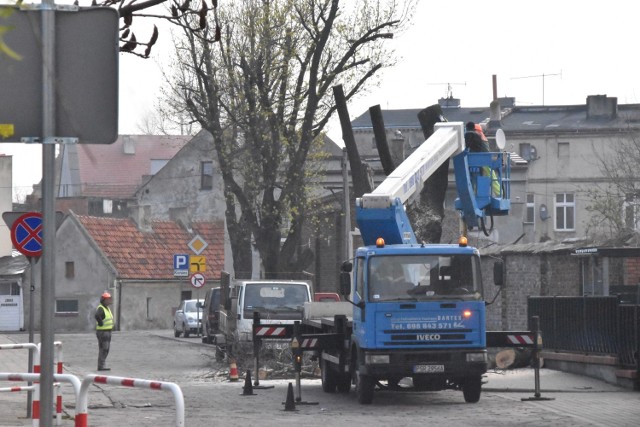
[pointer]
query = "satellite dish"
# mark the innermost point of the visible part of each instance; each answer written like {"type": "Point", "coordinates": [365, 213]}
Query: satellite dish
{"type": "Point", "coordinates": [501, 141]}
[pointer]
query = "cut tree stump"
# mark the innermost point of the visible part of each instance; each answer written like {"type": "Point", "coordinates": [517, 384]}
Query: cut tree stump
{"type": "Point", "coordinates": [513, 358]}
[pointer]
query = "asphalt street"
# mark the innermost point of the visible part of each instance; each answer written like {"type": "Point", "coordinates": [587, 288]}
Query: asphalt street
{"type": "Point", "coordinates": [211, 400]}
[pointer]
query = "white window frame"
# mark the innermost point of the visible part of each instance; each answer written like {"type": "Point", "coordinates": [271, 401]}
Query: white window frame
{"type": "Point", "coordinates": [632, 202]}
{"type": "Point", "coordinates": [565, 206]}
{"type": "Point", "coordinates": [530, 208]}
{"type": "Point", "coordinates": [206, 177]}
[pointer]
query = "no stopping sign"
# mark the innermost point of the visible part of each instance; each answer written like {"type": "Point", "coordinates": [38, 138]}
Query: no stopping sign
{"type": "Point", "coordinates": [26, 234]}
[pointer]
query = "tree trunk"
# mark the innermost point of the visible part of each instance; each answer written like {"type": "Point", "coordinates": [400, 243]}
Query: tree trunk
{"type": "Point", "coordinates": [359, 175]}
{"type": "Point", "coordinates": [427, 217]}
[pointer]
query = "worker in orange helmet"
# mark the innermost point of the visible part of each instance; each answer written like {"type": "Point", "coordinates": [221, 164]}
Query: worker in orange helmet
{"type": "Point", "coordinates": [104, 326]}
{"type": "Point", "coordinates": [483, 146]}
{"type": "Point", "coordinates": [475, 139]}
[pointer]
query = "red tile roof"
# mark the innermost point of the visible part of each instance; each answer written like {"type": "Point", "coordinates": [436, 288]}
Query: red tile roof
{"type": "Point", "coordinates": [107, 171]}
{"type": "Point", "coordinates": [149, 255]}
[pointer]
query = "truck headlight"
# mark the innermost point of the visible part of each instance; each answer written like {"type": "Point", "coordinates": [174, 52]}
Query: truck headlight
{"type": "Point", "coordinates": [476, 357]}
{"type": "Point", "coordinates": [373, 359]}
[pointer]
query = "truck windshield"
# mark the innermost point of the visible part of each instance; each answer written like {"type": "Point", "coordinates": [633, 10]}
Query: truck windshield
{"type": "Point", "coordinates": [418, 277]}
{"type": "Point", "coordinates": [275, 296]}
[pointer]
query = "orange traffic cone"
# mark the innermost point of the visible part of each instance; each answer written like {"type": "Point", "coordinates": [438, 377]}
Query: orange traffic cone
{"type": "Point", "coordinates": [233, 370]}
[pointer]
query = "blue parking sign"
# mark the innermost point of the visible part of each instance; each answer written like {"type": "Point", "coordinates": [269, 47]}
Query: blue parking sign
{"type": "Point", "coordinates": [181, 265]}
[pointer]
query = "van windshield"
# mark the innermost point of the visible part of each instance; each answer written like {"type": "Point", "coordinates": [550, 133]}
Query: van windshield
{"type": "Point", "coordinates": [275, 296]}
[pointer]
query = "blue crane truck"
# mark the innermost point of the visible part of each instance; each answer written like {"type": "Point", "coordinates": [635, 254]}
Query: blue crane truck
{"type": "Point", "coordinates": [415, 316]}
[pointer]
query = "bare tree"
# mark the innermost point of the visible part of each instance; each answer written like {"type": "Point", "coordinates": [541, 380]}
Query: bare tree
{"type": "Point", "coordinates": [264, 93]}
{"type": "Point", "coordinates": [614, 203]}
{"type": "Point", "coordinates": [131, 12]}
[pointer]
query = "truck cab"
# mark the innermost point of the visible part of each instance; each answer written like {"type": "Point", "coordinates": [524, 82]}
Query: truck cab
{"type": "Point", "coordinates": [419, 314]}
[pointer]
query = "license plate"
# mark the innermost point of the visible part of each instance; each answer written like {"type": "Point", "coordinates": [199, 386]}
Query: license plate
{"type": "Point", "coordinates": [427, 369]}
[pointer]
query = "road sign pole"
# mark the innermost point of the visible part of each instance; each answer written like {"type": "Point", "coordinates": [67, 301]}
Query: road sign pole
{"type": "Point", "coordinates": [48, 292]}
{"type": "Point", "coordinates": [32, 287]}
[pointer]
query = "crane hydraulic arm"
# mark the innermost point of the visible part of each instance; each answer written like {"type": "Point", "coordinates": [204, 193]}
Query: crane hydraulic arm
{"type": "Point", "coordinates": [381, 213]}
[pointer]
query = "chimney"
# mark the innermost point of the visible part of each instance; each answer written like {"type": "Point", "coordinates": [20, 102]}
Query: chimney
{"type": "Point", "coordinates": [128, 145]}
{"type": "Point", "coordinates": [141, 215]}
{"type": "Point", "coordinates": [397, 147]}
{"type": "Point", "coordinates": [495, 115]}
{"type": "Point", "coordinates": [601, 107]}
{"type": "Point", "coordinates": [449, 102]}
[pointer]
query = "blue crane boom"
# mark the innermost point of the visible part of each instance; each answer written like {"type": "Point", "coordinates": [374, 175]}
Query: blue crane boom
{"type": "Point", "coordinates": [381, 213]}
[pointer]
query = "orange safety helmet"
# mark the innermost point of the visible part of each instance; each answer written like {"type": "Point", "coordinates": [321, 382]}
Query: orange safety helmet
{"type": "Point", "coordinates": [478, 129]}
{"type": "Point", "coordinates": [105, 295]}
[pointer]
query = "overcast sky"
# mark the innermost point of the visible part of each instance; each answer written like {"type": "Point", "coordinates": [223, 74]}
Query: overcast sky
{"type": "Point", "coordinates": [582, 48]}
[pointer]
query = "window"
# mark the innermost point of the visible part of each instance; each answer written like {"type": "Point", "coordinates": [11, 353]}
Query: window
{"type": "Point", "coordinates": [148, 308]}
{"type": "Point", "coordinates": [9, 288]}
{"type": "Point", "coordinates": [66, 306]}
{"type": "Point", "coordinates": [563, 150]}
{"type": "Point", "coordinates": [360, 277]}
{"type": "Point", "coordinates": [565, 208]}
{"type": "Point", "coordinates": [96, 207]}
{"type": "Point", "coordinates": [69, 270]}
{"type": "Point", "coordinates": [631, 211]}
{"type": "Point", "coordinates": [107, 206]}
{"type": "Point", "coordinates": [206, 175]}
{"type": "Point", "coordinates": [530, 212]}
{"type": "Point", "coordinates": [527, 151]}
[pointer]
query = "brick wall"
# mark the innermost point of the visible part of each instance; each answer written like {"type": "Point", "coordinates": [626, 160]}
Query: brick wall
{"type": "Point", "coordinates": [632, 271]}
{"type": "Point", "coordinates": [527, 274]}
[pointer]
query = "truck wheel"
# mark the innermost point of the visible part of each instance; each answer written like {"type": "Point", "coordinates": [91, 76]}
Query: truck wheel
{"type": "Point", "coordinates": [344, 383]}
{"type": "Point", "coordinates": [364, 387]}
{"type": "Point", "coordinates": [471, 389]}
{"type": "Point", "coordinates": [186, 330]}
{"type": "Point", "coordinates": [328, 377]}
{"type": "Point", "coordinates": [176, 332]}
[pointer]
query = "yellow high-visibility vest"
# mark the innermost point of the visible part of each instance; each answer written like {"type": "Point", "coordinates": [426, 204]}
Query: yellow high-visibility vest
{"type": "Point", "coordinates": [107, 322]}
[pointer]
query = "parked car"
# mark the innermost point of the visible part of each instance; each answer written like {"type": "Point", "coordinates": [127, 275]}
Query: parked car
{"type": "Point", "coordinates": [211, 315]}
{"type": "Point", "coordinates": [188, 318]}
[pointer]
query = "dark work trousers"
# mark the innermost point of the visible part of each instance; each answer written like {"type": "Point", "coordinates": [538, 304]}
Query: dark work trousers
{"type": "Point", "coordinates": [104, 341]}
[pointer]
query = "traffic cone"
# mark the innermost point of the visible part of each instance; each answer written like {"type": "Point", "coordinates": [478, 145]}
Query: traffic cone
{"type": "Point", "coordinates": [290, 405]}
{"type": "Point", "coordinates": [233, 370]}
{"type": "Point", "coordinates": [247, 390]}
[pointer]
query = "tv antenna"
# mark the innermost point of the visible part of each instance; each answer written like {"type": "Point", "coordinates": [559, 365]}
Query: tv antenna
{"type": "Point", "coordinates": [543, 75]}
{"type": "Point", "coordinates": [449, 94]}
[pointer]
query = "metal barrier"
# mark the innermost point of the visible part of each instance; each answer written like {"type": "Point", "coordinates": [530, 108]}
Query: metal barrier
{"type": "Point", "coordinates": [34, 393]}
{"type": "Point", "coordinates": [35, 377]}
{"type": "Point", "coordinates": [590, 325]}
{"type": "Point", "coordinates": [629, 349]}
{"type": "Point", "coordinates": [17, 388]}
{"type": "Point", "coordinates": [82, 402]}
